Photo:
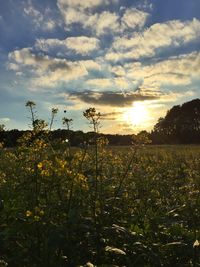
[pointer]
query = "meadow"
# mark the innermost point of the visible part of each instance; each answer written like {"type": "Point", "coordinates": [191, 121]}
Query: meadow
{"type": "Point", "coordinates": [98, 205]}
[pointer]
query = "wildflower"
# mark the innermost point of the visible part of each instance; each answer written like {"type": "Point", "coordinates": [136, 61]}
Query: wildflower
{"type": "Point", "coordinates": [3, 263]}
{"type": "Point", "coordinates": [61, 163]}
{"type": "Point", "coordinates": [36, 218]}
{"type": "Point", "coordinates": [40, 165]}
{"type": "Point", "coordinates": [41, 212]}
{"type": "Point", "coordinates": [196, 244]}
{"type": "Point", "coordinates": [45, 173]}
{"type": "Point", "coordinates": [28, 213]}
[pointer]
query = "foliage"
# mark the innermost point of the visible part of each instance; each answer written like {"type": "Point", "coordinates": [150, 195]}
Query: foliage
{"type": "Point", "coordinates": [10, 137]}
{"type": "Point", "coordinates": [2, 127]}
{"type": "Point", "coordinates": [180, 125]}
{"type": "Point", "coordinates": [97, 205]}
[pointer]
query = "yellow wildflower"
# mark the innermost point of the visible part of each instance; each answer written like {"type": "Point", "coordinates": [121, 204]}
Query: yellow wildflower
{"type": "Point", "coordinates": [196, 244]}
{"type": "Point", "coordinates": [28, 213]}
{"type": "Point", "coordinates": [40, 165]}
{"type": "Point", "coordinates": [36, 218]}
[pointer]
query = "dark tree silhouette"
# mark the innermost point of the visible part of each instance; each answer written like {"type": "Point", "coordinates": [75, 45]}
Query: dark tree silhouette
{"type": "Point", "coordinates": [180, 125]}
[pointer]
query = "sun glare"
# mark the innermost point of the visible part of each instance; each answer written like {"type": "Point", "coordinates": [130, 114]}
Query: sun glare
{"type": "Point", "coordinates": [136, 115]}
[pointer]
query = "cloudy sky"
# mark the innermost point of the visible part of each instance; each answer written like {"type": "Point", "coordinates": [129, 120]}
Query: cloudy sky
{"type": "Point", "coordinates": [130, 59]}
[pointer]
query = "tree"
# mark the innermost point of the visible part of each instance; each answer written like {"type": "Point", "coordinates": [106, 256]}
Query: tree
{"type": "Point", "coordinates": [93, 117]}
{"type": "Point", "coordinates": [180, 125]}
{"type": "Point", "coordinates": [31, 106]}
{"type": "Point", "coordinates": [143, 137]}
{"type": "Point", "coordinates": [54, 111]}
{"type": "Point", "coordinates": [2, 127]}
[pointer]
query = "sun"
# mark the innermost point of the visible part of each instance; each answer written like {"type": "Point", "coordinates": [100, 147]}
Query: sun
{"type": "Point", "coordinates": [136, 115]}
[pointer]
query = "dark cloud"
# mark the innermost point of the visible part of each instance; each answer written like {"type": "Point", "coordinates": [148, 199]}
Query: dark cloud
{"type": "Point", "coordinates": [109, 98]}
{"type": "Point", "coordinates": [110, 115]}
{"type": "Point", "coordinates": [59, 65]}
{"type": "Point", "coordinates": [54, 64]}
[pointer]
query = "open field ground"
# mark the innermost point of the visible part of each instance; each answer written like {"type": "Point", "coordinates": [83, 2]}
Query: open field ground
{"type": "Point", "coordinates": [106, 206]}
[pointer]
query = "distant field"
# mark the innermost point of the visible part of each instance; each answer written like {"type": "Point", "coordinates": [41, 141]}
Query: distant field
{"type": "Point", "coordinates": [185, 149]}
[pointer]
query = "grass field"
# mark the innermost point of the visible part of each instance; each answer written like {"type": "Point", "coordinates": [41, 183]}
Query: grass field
{"type": "Point", "coordinates": [99, 205]}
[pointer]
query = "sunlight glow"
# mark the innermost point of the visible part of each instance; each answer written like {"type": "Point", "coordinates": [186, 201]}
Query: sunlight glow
{"type": "Point", "coordinates": [136, 115]}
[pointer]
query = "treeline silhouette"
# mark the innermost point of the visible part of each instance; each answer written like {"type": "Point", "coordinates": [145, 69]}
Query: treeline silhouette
{"type": "Point", "coordinates": [76, 138]}
{"type": "Point", "coordinates": [181, 125]}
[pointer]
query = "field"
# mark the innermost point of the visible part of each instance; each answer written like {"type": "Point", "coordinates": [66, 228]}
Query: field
{"type": "Point", "coordinates": [99, 205]}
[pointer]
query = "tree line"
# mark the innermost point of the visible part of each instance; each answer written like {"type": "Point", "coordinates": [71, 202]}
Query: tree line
{"type": "Point", "coordinates": [181, 125]}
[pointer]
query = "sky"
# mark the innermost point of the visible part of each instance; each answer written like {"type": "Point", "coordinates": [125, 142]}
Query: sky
{"type": "Point", "coordinates": [130, 59]}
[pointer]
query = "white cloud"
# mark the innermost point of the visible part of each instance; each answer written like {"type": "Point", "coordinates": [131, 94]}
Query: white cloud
{"type": "Point", "coordinates": [99, 23]}
{"type": "Point", "coordinates": [22, 56]}
{"type": "Point", "coordinates": [48, 44]}
{"type": "Point", "coordinates": [49, 24]}
{"type": "Point", "coordinates": [145, 4]}
{"type": "Point", "coordinates": [119, 83]}
{"type": "Point", "coordinates": [80, 4]}
{"type": "Point", "coordinates": [168, 78]}
{"type": "Point", "coordinates": [134, 18]}
{"type": "Point", "coordinates": [103, 22]}
{"type": "Point", "coordinates": [122, 83]}
{"type": "Point", "coordinates": [72, 15]}
{"type": "Point", "coordinates": [118, 70]}
{"type": "Point", "coordinates": [85, 14]}
{"type": "Point", "coordinates": [173, 97]}
{"type": "Point", "coordinates": [4, 120]}
{"type": "Point", "coordinates": [179, 70]}
{"type": "Point", "coordinates": [82, 12]}
{"type": "Point", "coordinates": [82, 45]}
{"type": "Point", "coordinates": [13, 66]}
{"type": "Point", "coordinates": [90, 64]}
{"type": "Point", "coordinates": [46, 71]}
{"type": "Point", "coordinates": [31, 11]}
{"type": "Point", "coordinates": [72, 71]}
{"type": "Point", "coordinates": [159, 36]}
{"type": "Point", "coordinates": [40, 21]}
{"type": "Point", "coordinates": [104, 82]}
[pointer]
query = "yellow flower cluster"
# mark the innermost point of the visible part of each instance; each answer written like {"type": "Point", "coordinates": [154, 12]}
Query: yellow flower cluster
{"type": "Point", "coordinates": [45, 167]}
{"type": "Point", "coordinates": [61, 163]}
{"type": "Point", "coordinates": [36, 214]}
{"type": "Point", "coordinates": [39, 144]}
{"type": "Point", "coordinates": [2, 178]}
{"type": "Point", "coordinates": [81, 181]}
{"type": "Point", "coordinates": [25, 138]}
{"type": "Point", "coordinates": [28, 213]}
